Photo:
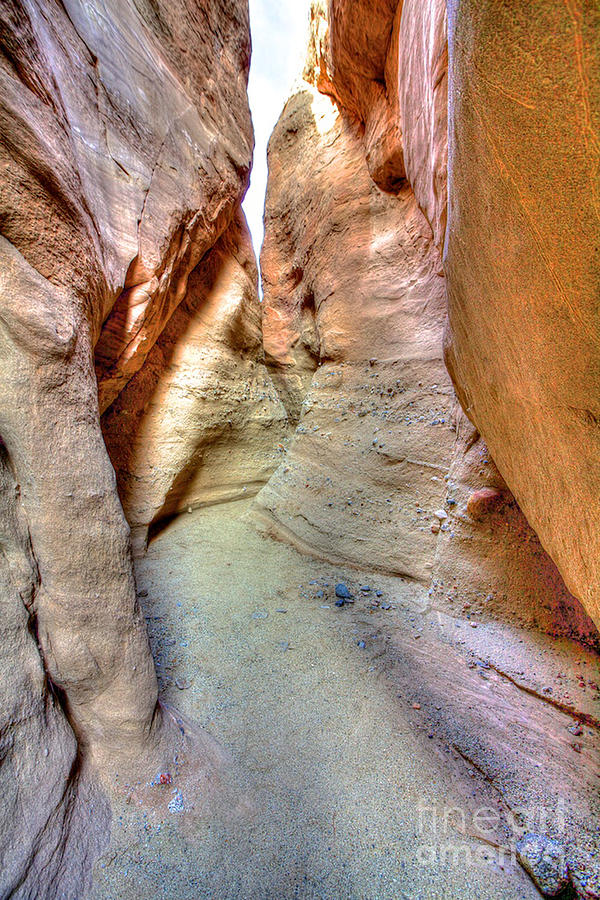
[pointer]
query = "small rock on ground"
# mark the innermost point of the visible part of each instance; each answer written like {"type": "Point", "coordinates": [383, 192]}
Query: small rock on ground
{"type": "Point", "coordinates": [546, 863]}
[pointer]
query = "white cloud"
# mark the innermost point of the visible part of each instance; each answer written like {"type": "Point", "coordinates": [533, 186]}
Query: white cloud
{"type": "Point", "coordinates": [279, 37]}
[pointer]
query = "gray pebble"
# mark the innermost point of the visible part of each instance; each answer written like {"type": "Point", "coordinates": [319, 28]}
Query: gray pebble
{"type": "Point", "coordinates": [545, 861]}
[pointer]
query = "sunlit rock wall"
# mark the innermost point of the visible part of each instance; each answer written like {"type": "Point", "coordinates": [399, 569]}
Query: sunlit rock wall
{"type": "Point", "coordinates": [355, 293]}
{"type": "Point", "coordinates": [523, 260]}
{"type": "Point", "coordinates": [365, 471]}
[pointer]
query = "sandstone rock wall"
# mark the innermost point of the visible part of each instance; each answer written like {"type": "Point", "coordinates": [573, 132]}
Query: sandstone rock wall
{"type": "Point", "coordinates": [355, 293]}
{"type": "Point", "coordinates": [126, 146]}
{"type": "Point", "coordinates": [522, 261]}
{"type": "Point", "coordinates": [422, 86]}
{"type": "Point", "coordinates": [201, 422]}
{"type": "Point", "coordinates": [45, 834]}
{"type": "Point", "coordinates": [489, 562]}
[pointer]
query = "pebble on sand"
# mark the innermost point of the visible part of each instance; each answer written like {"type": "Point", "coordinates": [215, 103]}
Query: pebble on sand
{"type": "Point", "coordinates": [545, 861]}
{"type": "Point", "coordinates": [177, 805]}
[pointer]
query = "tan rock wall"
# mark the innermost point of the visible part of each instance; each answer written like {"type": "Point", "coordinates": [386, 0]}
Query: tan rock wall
{"type": "Point", "coordinates": [523, 367]}
{"type": "Point", "coordinates": [353, 292]}
{"type": "Point", "coordinates": [422, 86]}
{"type": "Point", "coordinates": [489, 562]}
{"type": "Point", "coordinates": [364, 84]}
{"type": "Point", "coordinates": [340, 258]}
{"type": "Point", "coordinates": [125, 149]}
{"type": "Point", "coordinates": [46, 837]}
{"type": "Point", "coordinates": [201, 422]}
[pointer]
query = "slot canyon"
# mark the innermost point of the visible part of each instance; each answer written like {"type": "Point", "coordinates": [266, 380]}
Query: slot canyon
{"type": "Point", "coordinates": [300, 559]}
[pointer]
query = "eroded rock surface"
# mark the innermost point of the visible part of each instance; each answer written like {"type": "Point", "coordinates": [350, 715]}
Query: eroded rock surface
{"type": "Point", "coordinates": [45, 834]}
{"type": "Point", "coordinates": [522, 261]}
{"type": "Point", "coordinates": [201, 422]}
{"type": "Point", "coordinates": [510, 367]}
{"type": "Point", "coordinates": [489, 562]}
{"type": "Point", "coordinates": [126, 145]}
{"type": "Point", "coordinates": [353, 292]}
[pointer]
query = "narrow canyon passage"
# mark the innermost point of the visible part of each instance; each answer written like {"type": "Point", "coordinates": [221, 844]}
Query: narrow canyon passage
{"type": "Point", "coordinates": [376, 749]}
{"type": "Point", "coordinates": [299, 561]}
{"type": "Point", "coordinates": [402, 743]}
{"type": "Point", "coordinates": [336, 785]}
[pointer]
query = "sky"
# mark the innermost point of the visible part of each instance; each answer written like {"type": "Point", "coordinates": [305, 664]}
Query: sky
{"type": "Point", "coordinates": [279, 37]}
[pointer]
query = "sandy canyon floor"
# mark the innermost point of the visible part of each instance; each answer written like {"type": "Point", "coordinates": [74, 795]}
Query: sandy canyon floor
{"type": "Point", "coordinates": [376, 750]}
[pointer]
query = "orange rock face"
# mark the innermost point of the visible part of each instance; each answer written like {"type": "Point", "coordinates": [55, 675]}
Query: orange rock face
{"type": "Point", "coordinates": [364, 85]}
{"type": "Point", "coordinates": [523, 261]}
{"type": "Point", "coordinates": [354, 312]}
{"type": "Point", "coordinates": [423, 106]}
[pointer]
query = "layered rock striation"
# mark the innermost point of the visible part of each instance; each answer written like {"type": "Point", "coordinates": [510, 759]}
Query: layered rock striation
{"type": "Point", "coordinates": [201, 422]}
{"type": "Point", "coordinates": [520, 262]}
{"type": "Point", "coordinates": [353, 293]}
